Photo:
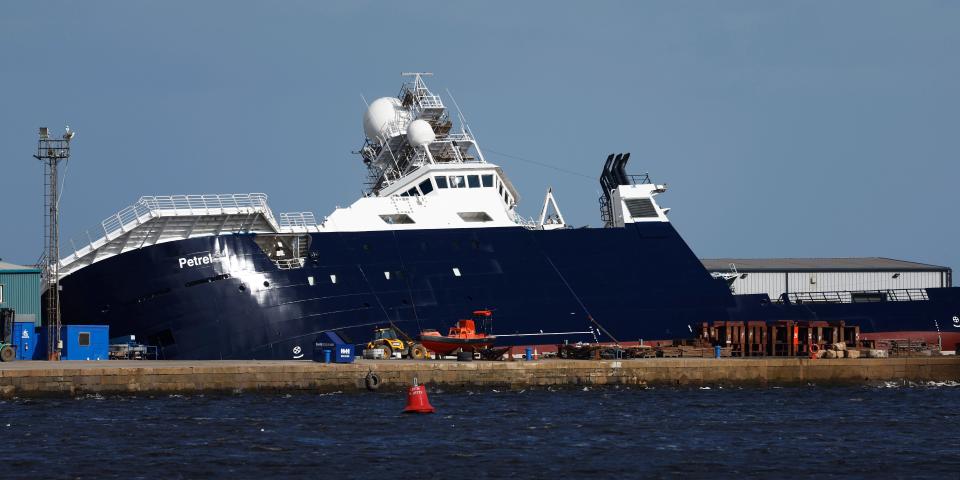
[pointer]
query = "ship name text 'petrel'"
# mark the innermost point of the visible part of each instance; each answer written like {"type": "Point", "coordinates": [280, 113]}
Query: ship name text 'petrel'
{"type": "Point", "coordinates": [197, 261]}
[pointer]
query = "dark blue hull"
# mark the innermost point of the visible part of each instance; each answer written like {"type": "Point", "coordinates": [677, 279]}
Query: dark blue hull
{"type": "Point", "coordinates": [637, 282]}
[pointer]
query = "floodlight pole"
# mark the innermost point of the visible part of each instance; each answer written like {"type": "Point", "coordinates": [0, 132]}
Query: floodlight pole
{"type": "Point", "coordinates": [51, 152]}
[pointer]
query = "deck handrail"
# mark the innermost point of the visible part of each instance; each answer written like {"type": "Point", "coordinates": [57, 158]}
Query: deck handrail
{"type": "Point", "coordinates": [848, 296]}
{"type": "Point", "coordinates": [148, 207]}
{"type": "Point", "coordinates": [297, 219]}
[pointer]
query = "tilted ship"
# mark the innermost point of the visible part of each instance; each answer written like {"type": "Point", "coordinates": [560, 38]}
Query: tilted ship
{"type": "Point", "coordinates": [435, 236]}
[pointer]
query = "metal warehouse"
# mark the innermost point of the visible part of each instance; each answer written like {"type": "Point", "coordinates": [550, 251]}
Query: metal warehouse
{"type": "Point", "coordinates": [776, 276]}
{"type": "Point", "coordinates": [20, 290]}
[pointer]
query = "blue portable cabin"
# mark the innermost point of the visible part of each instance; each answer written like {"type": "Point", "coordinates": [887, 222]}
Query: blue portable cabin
{"type": "Point", "coordinates": [24, 340]}
{"type": "Point", "coordinates": [85, 342]}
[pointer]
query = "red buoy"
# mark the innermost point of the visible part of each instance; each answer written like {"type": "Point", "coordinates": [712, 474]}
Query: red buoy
{"type": "Point", "coordinates": [417, 401]}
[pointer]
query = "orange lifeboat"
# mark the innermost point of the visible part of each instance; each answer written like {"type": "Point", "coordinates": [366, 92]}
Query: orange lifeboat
{"type": "Point", "coordinates": [463, 336]}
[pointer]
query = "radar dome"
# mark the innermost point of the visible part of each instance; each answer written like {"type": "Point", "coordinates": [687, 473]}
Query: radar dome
{"type": "Point", "coordinates": [381, 113]}
{"type": "Point", "coordinates": [420, 133]}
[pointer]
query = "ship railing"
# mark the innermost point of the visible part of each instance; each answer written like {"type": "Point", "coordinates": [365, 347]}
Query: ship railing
{"type": "Point", "coordinates": [451, 143]}
{"type": "Point", "coordinates": [525, 222]}
{"type": "Point", "coordinates": [196, 204]}
{"type": "Point", "coordinates": [148, 207]}
{"type": "Point", "coordinates": [426, 103]}
{"type": "Point", "coordinates": [422, 97]}
{"type": "Point", "coordinates": [393, 129]}
{"type": "Point", "coordinates": [641, 179]}
{"type": "Point", "coordinates": [419, 158]}
{"type": "Point", "coordinates": [856, 296]}
{"type": "Point", "coordinates": [290, 263]}
{"type": "Point", "coordinates": [459, 137]}
{"type": "Point", "coordinates": [430, 101]}
{"type": "Point", "coordinates": [907, 295]}
{"type": "Point", "coordinates": [297, 219]}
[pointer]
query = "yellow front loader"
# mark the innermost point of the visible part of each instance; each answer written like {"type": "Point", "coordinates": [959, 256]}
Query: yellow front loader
{"type": "Point", "coordinates": [389, 341]}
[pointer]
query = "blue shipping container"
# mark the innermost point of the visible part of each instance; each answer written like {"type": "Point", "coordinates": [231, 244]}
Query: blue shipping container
{"type": "Point", "coordinates": [24, 339]}
{"type": "Point", "coordinates": [85, 342]}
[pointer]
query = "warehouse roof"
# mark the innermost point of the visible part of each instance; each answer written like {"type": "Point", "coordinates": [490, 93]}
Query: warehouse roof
{"type": "Point", "coordinates": [818, 265]}
{"type": "Point", "coordinates": [12, 267]}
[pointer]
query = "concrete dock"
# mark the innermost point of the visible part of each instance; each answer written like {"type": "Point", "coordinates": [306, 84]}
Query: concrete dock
{"type": "Point", "coordinates": [29, 378]}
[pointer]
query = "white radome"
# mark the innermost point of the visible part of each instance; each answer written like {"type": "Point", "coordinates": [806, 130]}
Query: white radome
{"type": "Point", "coordinates": [381, 113]}
{"type": "Point", "coordinates": [420, 133]}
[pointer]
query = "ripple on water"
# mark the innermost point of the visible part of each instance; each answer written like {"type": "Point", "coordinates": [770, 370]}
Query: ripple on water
{"type": "Point", "coordinates": [606, 431]}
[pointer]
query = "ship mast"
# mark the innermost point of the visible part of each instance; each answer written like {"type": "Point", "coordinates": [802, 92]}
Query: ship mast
{"type": "Point", "coordinates": [413, 129]}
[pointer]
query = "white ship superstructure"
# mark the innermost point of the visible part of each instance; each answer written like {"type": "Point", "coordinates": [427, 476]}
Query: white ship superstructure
{"type": "Point", "coordinates": [425, 171]}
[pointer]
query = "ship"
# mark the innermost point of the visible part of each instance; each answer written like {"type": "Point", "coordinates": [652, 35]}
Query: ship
{"type": "Point", "coordinates": [435, 233]}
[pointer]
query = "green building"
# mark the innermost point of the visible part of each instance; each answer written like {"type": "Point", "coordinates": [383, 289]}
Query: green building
{"type": "Point", "coordinates": [20, 290]}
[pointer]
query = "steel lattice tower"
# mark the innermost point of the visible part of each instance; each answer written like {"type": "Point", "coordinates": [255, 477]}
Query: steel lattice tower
{"type": "Point", "coordinates": [51, 152]}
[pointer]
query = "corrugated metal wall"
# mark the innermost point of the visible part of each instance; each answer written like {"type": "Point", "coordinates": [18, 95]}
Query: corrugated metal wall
{"type": "Point", "coordinates": [21, 292]}
{"type": "Point", "coordinates": [845, 281]}
{"type": "Point", "coordinates": [772, 284]}
{"type": "Point", "coordinates": [775, 283]}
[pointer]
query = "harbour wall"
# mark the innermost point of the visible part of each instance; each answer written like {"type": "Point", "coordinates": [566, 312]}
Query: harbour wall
{"type": "Point", "coordinates": [38, 378]}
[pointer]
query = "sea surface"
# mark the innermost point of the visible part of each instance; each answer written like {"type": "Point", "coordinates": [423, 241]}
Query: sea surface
{"type": "Point", "coordinates": [879, 431]}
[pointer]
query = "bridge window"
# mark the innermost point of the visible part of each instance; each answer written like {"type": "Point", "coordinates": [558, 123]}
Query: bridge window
{"type": "Point", "coordinates": [473, 181]}
{"type": "Point", "coordinates": [457, 181]}
{"type": "Point", "coordinates": [397, 218]}
{"type": "Point", "coordinates": [441, 182]}
{"type": "Point", "coordinates": [426, 186]}
{"type": "Point", "coordinates": [475, 216]}
{"type": "Point", "coordinates": [487, 180]}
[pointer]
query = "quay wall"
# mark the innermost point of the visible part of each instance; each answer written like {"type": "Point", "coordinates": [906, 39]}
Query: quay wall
{"type": "Point", "coordinates": [37, 378]}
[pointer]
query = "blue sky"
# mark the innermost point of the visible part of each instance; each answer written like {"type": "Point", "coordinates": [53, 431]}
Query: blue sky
{"type": "Point", "coordinates": [782, 128]}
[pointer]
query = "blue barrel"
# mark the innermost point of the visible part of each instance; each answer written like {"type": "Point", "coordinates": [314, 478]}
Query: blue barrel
{"type": "Point", "coordinates": [326, 355]}
{"type": "Point", "coordinates": [529, 353]}
{"type": "Point", "coordinates": [716, 351]}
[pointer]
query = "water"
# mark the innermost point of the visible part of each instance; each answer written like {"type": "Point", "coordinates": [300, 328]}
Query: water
{"type": "Point", "coordinates": [884, 431]}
